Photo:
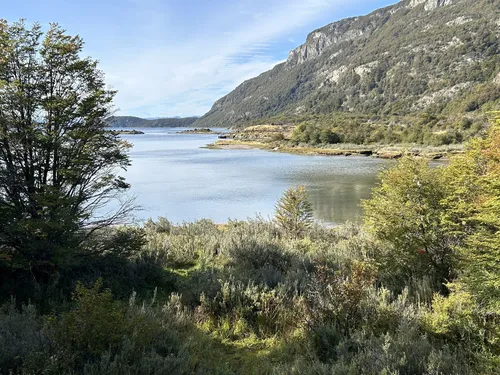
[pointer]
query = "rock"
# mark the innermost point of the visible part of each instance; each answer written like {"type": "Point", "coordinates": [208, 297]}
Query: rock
{"type": "Point", "coordinates": [366, 152]}
{"type": "Point", "coordinates": [429, 4]}
{"type": "Point", "coordinates": [496, 80]}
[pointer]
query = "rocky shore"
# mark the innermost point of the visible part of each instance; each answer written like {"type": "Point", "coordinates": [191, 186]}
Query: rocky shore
{"type": "Point", "coordinates": [378, 151]}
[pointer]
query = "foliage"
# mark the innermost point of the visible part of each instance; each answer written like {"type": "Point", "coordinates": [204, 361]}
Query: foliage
{"type": "Point", "coordinates": [21, 335]}
{"type": "Point", "coordinates": [294, 212]}
{"type": "Point", "coordinates": [473, 215]}
{"type": "Point", "coordinates": [58, 164]}
{"type": "Point", "coordinates": [433, 130]}
{"type": "Point", "coordinates": [405, 212]}
{"type": "Point", "coordinates": [99, 335]}
{"type": "Point", "coordinates": [255, 300]}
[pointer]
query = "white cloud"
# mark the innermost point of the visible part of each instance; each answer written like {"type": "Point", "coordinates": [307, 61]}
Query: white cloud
{"type": "Point", "coordinates": [186, 76]}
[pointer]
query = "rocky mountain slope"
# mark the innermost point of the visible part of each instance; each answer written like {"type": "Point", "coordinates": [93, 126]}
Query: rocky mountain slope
{"type": "Point", "coordinates": [433, 56]}
{"type": "Point", "coordinates": [137, 122]}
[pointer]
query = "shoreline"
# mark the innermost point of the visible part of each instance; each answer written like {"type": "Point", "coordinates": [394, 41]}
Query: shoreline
{"type": "Point", "coordinates": [377, 151]}
{"type": "Point", "coordinates": [127, 132]}
{"type": "Point", "coordinates": [199, 131]}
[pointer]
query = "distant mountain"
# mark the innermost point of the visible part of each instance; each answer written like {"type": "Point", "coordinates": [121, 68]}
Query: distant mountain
{"type": "Point", "coordinates": [137, 122]}
{"type": "Point", "coordinates": [417, 56]}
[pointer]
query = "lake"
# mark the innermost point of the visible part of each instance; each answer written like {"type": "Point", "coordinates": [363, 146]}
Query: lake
{"type": "Point", "coordinates": [172, 176]}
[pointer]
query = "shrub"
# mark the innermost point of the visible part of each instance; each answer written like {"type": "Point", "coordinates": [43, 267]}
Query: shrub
{"type": "Point", "coordinates": [21, 335]}
{"type": "Point", "coordinates": [264, 263]}
{"type": "Point", "coordinates": [335, 295]}
{"type": "Point", "coordinates": [240, 310]}
{"type": "Point", "coordinates": [101, 333]}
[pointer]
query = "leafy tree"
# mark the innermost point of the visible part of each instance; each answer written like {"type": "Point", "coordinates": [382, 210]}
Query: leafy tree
{"type": "Point", "coordinates": [405, 211]}
{"type": "Point", "coordinates": [294, 213]}
{"type": "Point", "coordinates": [328, 136]}
{"type": "Point", "coordinates": [473, 215]}
{"type": "Point", "coordinates": [58, 163]}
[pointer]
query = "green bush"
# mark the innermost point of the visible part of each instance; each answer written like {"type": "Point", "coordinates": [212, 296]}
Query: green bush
{"type": "Point", "coordinates": [405, 212]}
{"type": "Point", "coordinates": [21, 335]}
{"type": "Point", "coordinates": [240, 310]}
{"type": "Point", "coordinates": [102, 334]}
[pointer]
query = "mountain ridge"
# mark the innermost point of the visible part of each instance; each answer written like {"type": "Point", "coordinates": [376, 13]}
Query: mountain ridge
{"type": "Point", "coordinates": [414, 56]}
{"type": "Point", "coordinates": [162, 122]}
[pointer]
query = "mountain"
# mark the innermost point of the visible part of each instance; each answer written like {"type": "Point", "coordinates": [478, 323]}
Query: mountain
{"type": "Point", "coordinates": [417, 56]}
{"type": "Point", "coordinates": [137, 122]}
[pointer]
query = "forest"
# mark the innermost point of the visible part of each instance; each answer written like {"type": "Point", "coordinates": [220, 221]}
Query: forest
{"type": "Point", "coordinates": [414, 289]}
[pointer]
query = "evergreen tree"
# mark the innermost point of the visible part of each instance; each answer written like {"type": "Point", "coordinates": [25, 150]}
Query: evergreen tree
{"type": "Point", "coordinates": [294, 213]}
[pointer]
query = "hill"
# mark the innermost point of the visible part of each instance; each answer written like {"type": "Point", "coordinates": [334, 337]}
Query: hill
{"type": "Point", "coordinates": [137, 122]}
{"type": "Point", "coordinates": [417, 56]}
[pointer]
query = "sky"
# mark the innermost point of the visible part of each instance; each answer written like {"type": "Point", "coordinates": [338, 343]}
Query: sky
{"type": "Point", "coordinates": [171, 58]}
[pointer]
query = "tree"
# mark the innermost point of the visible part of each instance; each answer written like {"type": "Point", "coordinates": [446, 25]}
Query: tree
{"type": "Point", "coordinates": [328, 136]}
{"type": "Point", "coordinates": [294, 213]}
{"type": "Point", "coordinates": [473, 216]}
{"type": "Point", "coordinates": [405, 211]}
{"type": "Point", "coordinates": [58, 163]}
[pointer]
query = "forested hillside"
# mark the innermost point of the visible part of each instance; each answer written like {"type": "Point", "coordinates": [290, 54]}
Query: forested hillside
{"type": "Point", "coordinates": [137, 122]}
{"type": "Point", "coordinates": [417, 56]}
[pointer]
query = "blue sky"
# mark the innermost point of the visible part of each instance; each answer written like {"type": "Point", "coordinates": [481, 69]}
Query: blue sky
{"type": "Point", "coordinates": [176, 57]}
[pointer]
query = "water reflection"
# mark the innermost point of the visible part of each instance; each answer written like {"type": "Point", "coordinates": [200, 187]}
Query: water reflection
{"type": "Point", "coordinates": [172, 176]}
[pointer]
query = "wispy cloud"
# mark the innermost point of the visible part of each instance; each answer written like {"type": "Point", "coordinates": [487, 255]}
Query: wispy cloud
{"type": "Point", "coordinates": [184, 75]}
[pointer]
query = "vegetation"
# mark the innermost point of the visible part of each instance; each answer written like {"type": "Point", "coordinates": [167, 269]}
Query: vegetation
{"type": "Point", "coordinates": [412, 291]}
{"type": "Point", "coordinates": [415, 290]}
{"type": "Point", "coordinates": [423, 134]}
{"type": "Point", "coordinates": [424, 129]}
{"type": "Point", "coordinates": [129, 132]}
{"type": "Point", "coordinates": [294, 213]}
{"type": "Point", "coordinates": [395, 62]}
{"type": "Point", "coordinates": [198, 131]}
{"type": "Point", "coordinates": [405, 212]}
{"type": "Point", "coordinates": [58, 163]}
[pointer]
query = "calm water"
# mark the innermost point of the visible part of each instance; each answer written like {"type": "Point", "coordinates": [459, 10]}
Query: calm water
{"type": "Point", "coordinates": [172, 176]}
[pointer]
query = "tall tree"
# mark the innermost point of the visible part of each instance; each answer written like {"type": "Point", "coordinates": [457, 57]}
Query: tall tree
{"type": "Point", "coordinates": [58, 164]}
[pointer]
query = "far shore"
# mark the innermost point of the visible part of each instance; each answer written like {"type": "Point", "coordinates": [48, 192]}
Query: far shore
{"type": "Point", "coordinates": [199, 131]}
{"type": "Point", "coordinates": [378, 151]}
{"type": "Point", "coordinates": [128, 132]}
